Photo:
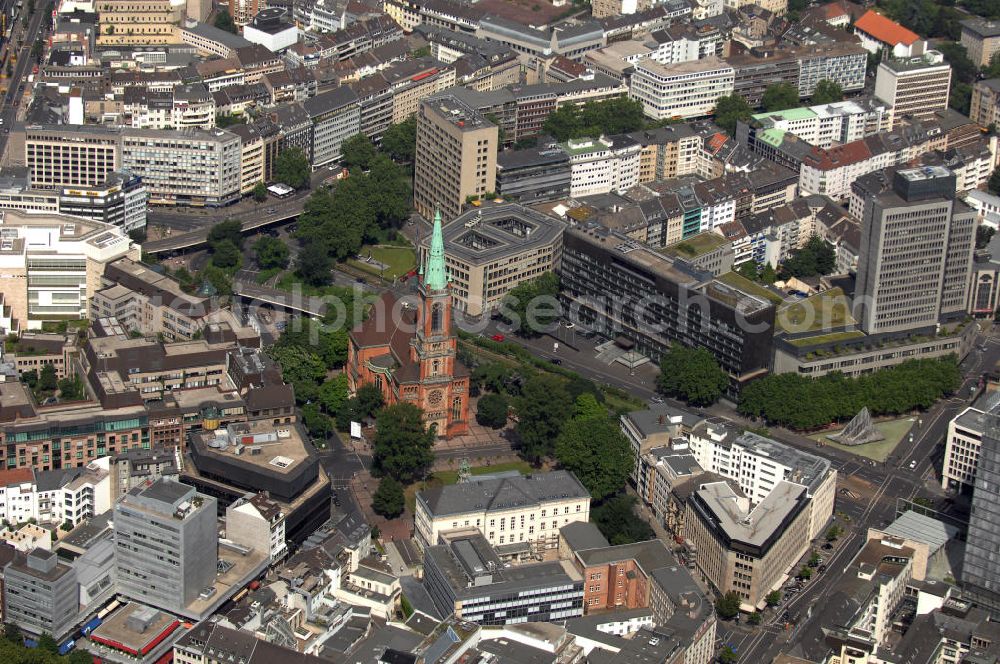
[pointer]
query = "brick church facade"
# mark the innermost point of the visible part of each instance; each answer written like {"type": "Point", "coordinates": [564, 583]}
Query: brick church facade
{"type": "Point", "coordinates": [410, 352]}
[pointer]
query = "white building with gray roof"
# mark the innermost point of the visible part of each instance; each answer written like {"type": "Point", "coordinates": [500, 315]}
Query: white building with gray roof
{"type": "Point", "coordinates": [524, 510]}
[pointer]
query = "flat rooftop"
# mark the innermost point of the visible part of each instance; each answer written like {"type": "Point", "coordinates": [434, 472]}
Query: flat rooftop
{"type": "Point", "coordinates": [135, 626]}
{"type": "Point", "coordinates": [761, 525]}
{"type": "Point", "coordinates": [696, 245]}
{"type": "Point", "coordinates": [496, 231]}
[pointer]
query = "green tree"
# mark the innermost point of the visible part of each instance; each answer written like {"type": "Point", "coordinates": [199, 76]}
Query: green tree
{"type": "Point", "coordinates": [779, 96]}
{"type": "Point", "coordinates": [300, 367]}
{"type": "Point", "coordinates": [727, 655]}
{"type": "Point", "coordinates": [292, 167]}
{"type": "Point", "coordinates": [805, 572]}
{"type": "Point", "coordinates": [47, 644]}
{"type": "Point", "coordinates": [402, 446]}
{"type": "Point", "coordinates": [542, 409]}
{"type": "Point", "coordinates": [47, 379]}
{"type": "Point", "coordinates": [389, 500]}
{"type": "Point", "coordinates": [994, 182]}
{"type": "Point", "coordinates": [71, 388]}
{"type": "Point", "coordinates": [226, 255]}
{"type": "Point", "coordinates": [983, 236]}
{"type": "Point", "coordinates": [814, 559]}
{"type": "Point", "coordinates": [79, 656]}
{"type": "Point", "coordinates": [827, 92]}
{"type": "Point", "coordinates": [532, 306]}
{"type": "Point", "coordinates": [271, 253]}
{"type": "Point", "coordinates": [755, 618]}
{"type": "Point", "coordinates": [12, 633]}
{"type": "Point", "coordinates": [491, 411]}
{"type": "Point", "coordinates": [223, 21]}
{"type": "Point", "coordinates": [388, 193]}
{"type": "Point", "coordinates": [357, 152]}
{"type": "Point", "coordinates": [991, 70]}
{"type": "Point", "coordinates": [618, 522]}
{"type": "Point", "coordinates": [592, 446]}
{"type": "Point", "coordinates": [816, 257]}
{"type": "Point", "coordinates": [962, 68]}
{"type": "Point", "coordinates": [317, 423]}
{"type": "Point", "coordinates": [314, 265]}
{"type": "Point", "coordinates": [333, 394]}
{"type": "Point", "coordinates": [400, 140]}
{"type": "Point", "coordinates": [230, 230]}
{"type": "Point", "coordinates": [370, 399]}
{"type": "Point", "coordinates": [338, 220]}
{"type": "Point", "coordinates": [727, 606]}
{"type": "Point", "coordinates": [260, 192]}
{"type": "Point", "coordinates": [773, 598]}
{"type": "Point", "coordinates": [611, 116]}
{"type": "Point", "coordinates": [729, 110]}
{"type": "Point", "coordinates": [693, 375]}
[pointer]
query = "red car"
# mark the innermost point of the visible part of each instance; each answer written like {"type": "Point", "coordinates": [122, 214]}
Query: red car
{"type": "Point", "coordinates": [498, 338]}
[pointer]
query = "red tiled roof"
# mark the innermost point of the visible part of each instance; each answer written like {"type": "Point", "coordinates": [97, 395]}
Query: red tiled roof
{"type": "Point", "coordinates": [13, 476]}
{"type": "Point", "coordinates": [842, 155]}
{"type": "Point", "coordinates": [885, 30]}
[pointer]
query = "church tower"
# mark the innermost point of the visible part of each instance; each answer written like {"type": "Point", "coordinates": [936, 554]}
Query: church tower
{"type": "Point", "coordinates": [444, 385]}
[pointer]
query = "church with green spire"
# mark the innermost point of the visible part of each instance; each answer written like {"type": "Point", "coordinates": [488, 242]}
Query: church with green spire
{"type": "Point", "coordinates": [410, 351]}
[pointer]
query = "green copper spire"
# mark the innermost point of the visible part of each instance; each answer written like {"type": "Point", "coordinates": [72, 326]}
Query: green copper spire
{"type": "Point", "coordinates": [435, 275]}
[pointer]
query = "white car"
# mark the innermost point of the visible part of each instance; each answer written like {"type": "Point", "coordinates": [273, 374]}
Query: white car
{"type": "Point", "coordinates": [913, 464]}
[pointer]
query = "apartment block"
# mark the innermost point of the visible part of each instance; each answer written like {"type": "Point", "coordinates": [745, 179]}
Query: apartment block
{"type": "Point", "coordinates": [465, 576]}
{"type": "Point", "coordinates": [914, 87]}
{"type": "Point", "coordinates": [529, 509]}
{"type": "Point", "coordinates": [758, 465]}
{"type": "Point", "coordinates": [55, 497]}
{"type": "Point", "coordinates": [985, 105]}
{"type": "Point", "coordinates": [916, 254]}
{"type": "Point", "coordinates": [40, 594]}
{"type": "Point", "coordinates": [138, 22]}
{"type": "Point", "coordinates": [257, 521]}
{"type": "Point", "coordinates": [963, 443]}
{"type": "Point", "coordinates": [71, 155]}
{"type": "Point", "coordinates": [54, 264]}
{"type": "Point", "coordinates": [606, 274]}
{"type": "Point", "coordinates": [602, 165]}
{"type": "Point", "coordinates": [492, 249]}
{"type": "Point", "coordinates": [684, 90]}
{"type": "Point", "coordinates": [533, 174]}
{"type": "Point", "coordinates": [335, 117]}
{"type": "Point", "coordinates": [744, 549]}
{"type": "Point", "coordinates": [981, 39]}
{"type": "Point", "coordinates": [188, 167]}
{"type": "Point", "coordinates": [120, 201]}
{"type": "Point", "coordinates": [823, 126]}
{"type": "Point", "coordinates": [166, 539]}
{"type": "Point", "coordinates": [455, 158]}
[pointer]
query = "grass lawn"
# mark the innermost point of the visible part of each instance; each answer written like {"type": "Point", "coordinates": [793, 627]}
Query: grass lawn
{"type": "Point", "coordinates": [833, 337]}
{"type": "Point", "coordinates": [399, 259]}
{"type": "Point", "coordinates": [893, 430]}
{"type": "Point", "coordinates": [739, 281]}
{"type": "Point", "coordinates": [696, 245]}
{"type": "Point", "coordinates": [446, 477]}
{"type": "Point", "coordinates": [823, 311]}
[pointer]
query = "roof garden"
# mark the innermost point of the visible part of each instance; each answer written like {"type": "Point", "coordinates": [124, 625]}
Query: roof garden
{"type": "Point", "coordinates": [740, 282]}
{"type": "Point", "coordinates": [823, 339]}
{"type": "Point", "coordinates": [826, 311]}
{"type": "Point", "coordinates": [696, 245]}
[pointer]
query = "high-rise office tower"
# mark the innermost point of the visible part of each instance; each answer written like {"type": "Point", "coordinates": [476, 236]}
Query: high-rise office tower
{"type": "Point", "coordinates": [456, 156]}
{"type": "Point", "coordinates": [981, 568]}
{"type": "Point", "coordinates": [916, 250]}
{"type": "Point", "coordinates": [167, 544]}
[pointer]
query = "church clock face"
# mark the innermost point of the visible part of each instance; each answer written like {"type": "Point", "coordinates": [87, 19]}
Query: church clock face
{"type": "Point", "coordinates": [435, 398]}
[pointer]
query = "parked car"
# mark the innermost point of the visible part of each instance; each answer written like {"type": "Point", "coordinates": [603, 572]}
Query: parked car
{"type": "Point", "coordinates": [498, 338]}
